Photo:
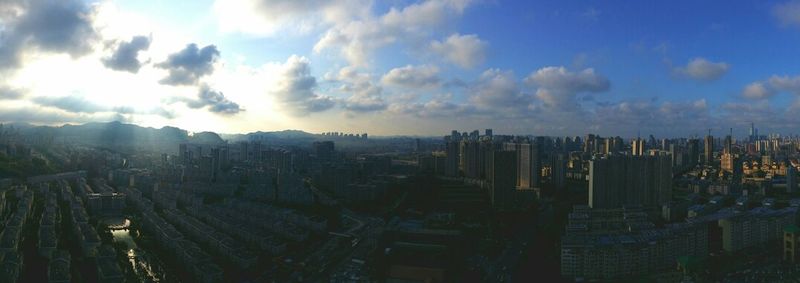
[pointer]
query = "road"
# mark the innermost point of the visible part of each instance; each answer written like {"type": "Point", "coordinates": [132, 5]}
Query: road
{"type": "Point", "coordinates": [506, 264]}
{"type": "Point", "coordinates": [340, 250]}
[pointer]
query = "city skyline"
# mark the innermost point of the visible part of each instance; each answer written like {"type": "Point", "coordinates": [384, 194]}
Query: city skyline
{"type": "Point", "coordinates": [640, 137]}
{"type": "Point", "coordinates": [404, 67]}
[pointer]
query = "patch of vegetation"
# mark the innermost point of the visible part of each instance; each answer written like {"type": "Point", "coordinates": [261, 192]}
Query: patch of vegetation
{"type": "Point", "coordinates": [11, 167]}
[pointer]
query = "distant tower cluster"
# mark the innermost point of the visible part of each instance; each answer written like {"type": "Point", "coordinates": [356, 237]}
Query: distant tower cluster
{"type": "Point", "coordinates": [344, 135]}
{"type": "Point", "coordinates": [637, 147]}
{"type": "Point", "coordinates": [753, 133]}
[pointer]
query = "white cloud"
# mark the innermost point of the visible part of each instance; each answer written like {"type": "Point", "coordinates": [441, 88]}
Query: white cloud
{"type": "Point", "coordinates": [702, 69]}
{"type": "Point", "coordinates": [39, 115]}
{"type": "Point", "coordinates": [434, 108]}
{"type": "Point", "coordinates": [769, 87]}
{"type": "Point", "coordinates": [591, 14]}
{"type": "Point", "coordinates": [424, 76]}
{"type": "Point", "coordinates": [295, 88]}
{"type": "Point", "coordinates": [559, 86]}
{"type": "Point", "coordinates": [649, 117]}
{"type": "Point", "coordinates": [365, 94]}
{"type": "Point", "coordinates": [364, 102]}
{"type": "Point", "coordinates": [786, 83]}
{"type": "Point", "coordinates": [356, 39]}
{"type": "Point", "coordinates": [757, 90]}
{"type": "Point", "coordinates": [497, 89]}
{"type": "Point", "coordinates": [466, 51]}
{"type": "Point", "coordinates": [788, 13]}
{"type": "Point", "coordinates": [268, 17]}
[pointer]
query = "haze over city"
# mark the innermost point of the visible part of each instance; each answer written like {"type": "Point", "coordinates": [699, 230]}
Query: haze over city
{"type": "Point", "coordinates": [404, 67]}
{"type": "Point", "coordinates": [399, 141]}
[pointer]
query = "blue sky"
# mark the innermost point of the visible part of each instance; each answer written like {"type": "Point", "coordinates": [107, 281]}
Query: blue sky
{"type": "Point", "coordinates": [668, 68]}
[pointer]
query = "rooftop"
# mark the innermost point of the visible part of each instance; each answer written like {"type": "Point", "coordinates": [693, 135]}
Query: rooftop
{"type": "Point", "coordinates": [791, 229]}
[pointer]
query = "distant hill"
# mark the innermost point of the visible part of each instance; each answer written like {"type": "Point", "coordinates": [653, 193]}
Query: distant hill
{"type": "Point", "coordinates": [285, 134]}
{"type": "Point", "coordinates": [120, 136]}
{"type": "Point", "coordinates": [129, 137]}
{"type": "Point", "coordinates": [124, 137]}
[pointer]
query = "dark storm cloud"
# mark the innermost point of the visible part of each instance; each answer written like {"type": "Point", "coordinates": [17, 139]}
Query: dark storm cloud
{"type": "Point", "coordinates": [37, 115]}
{"type": "Point", "coordinates": [163, 112]}
{"type": "Point", "coordinates": [10, 93]}
{"type": "Point", "coordinates": [73, 104]}
{"type": "Point", "coordinates": [188, 65]}
{"type": "Point", "coordinates": [213, 100]}
{"type": "Point", "coordinates": [125, 57]}
{"type": "Point", "coordinates": [42, 25]}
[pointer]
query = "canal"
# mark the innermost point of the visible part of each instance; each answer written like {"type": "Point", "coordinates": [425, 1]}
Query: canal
{"type": "Point", "coordinates": [147, 266]}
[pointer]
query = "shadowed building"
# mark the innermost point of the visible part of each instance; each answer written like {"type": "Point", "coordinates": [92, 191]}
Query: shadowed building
{"type": "Point", "coordinates": [791, 237]}
{"type": "Point", "coordinates": [616, 181]}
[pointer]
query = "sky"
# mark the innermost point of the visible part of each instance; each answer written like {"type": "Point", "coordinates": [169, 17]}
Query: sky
{"type": "Point", "coordinates": [396, 67]}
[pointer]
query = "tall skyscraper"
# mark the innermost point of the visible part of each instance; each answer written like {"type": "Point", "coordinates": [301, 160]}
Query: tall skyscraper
{"type": "Point", "coordinates": [599, 145]}
{"type": "Point", "coordinates": [529, 168]}
{"type": "Point", "coordinates": [485, 149]}
{"type": "Point", "coordinates": [728, 144]}
{"type": "Point", "coordinates": [736, 176]}
{"type": "Point", "coordinates": [708, 150]}
{"type": "Point", "coordinates": [504, 178]}
{"type": "Point", "coordinates": [588, 143]}
{"type": "Point", "coordinates": [693, 150]}
{"type": "Point", "coordinates": [558, 172]}
{"type": "Point", "coordinates": [471, 151]}
{"type": "Point", "coordinates": [243, 151]}
{"type": "Point", "coordinates": [452, 158]}
{"type": "Point", "coordinates": [791, 178]}
{"type": "Point", "coordinates": [618, 144]}
{"type": "Point", "coordinates": [637, 147]}
{"type": "Point", "coordinates": [474, 134]}
{"type": "Point", "coordinates": [616, 181]}
{"type": "Point", "coordinates": [183, 154]}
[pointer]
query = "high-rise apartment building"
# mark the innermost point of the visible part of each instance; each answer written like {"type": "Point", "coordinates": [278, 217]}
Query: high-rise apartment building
{"type": "Point", "coordinates": [451, 158]}
{"type": "Point", "coordinates": [588, 143]}
{"type": "Point", "coordinates": [637, 147]}
{"type": "Point", "coordinates": [791, 240]}
{"type": "Point", "coordinates": [616, 181]}
{"type": "Point", "coordinates": [558, 170]}
{"type": "Point", "coordinates": [728, 144]}
{"type": "Point", "coordinates": [726, 162]}
{"type": "Point", "coordinates": [504, 178]}
{"type": "Point", "coordinates": [471, 163]}
{"type": "Point", "coordinates": [693, 150]}
{"type": "Point", "coordinates": [791, 178]}
{"type": "Point", "coordinates": [708, 150]}
{"type": "Point", "coordinates": [529, 168]}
